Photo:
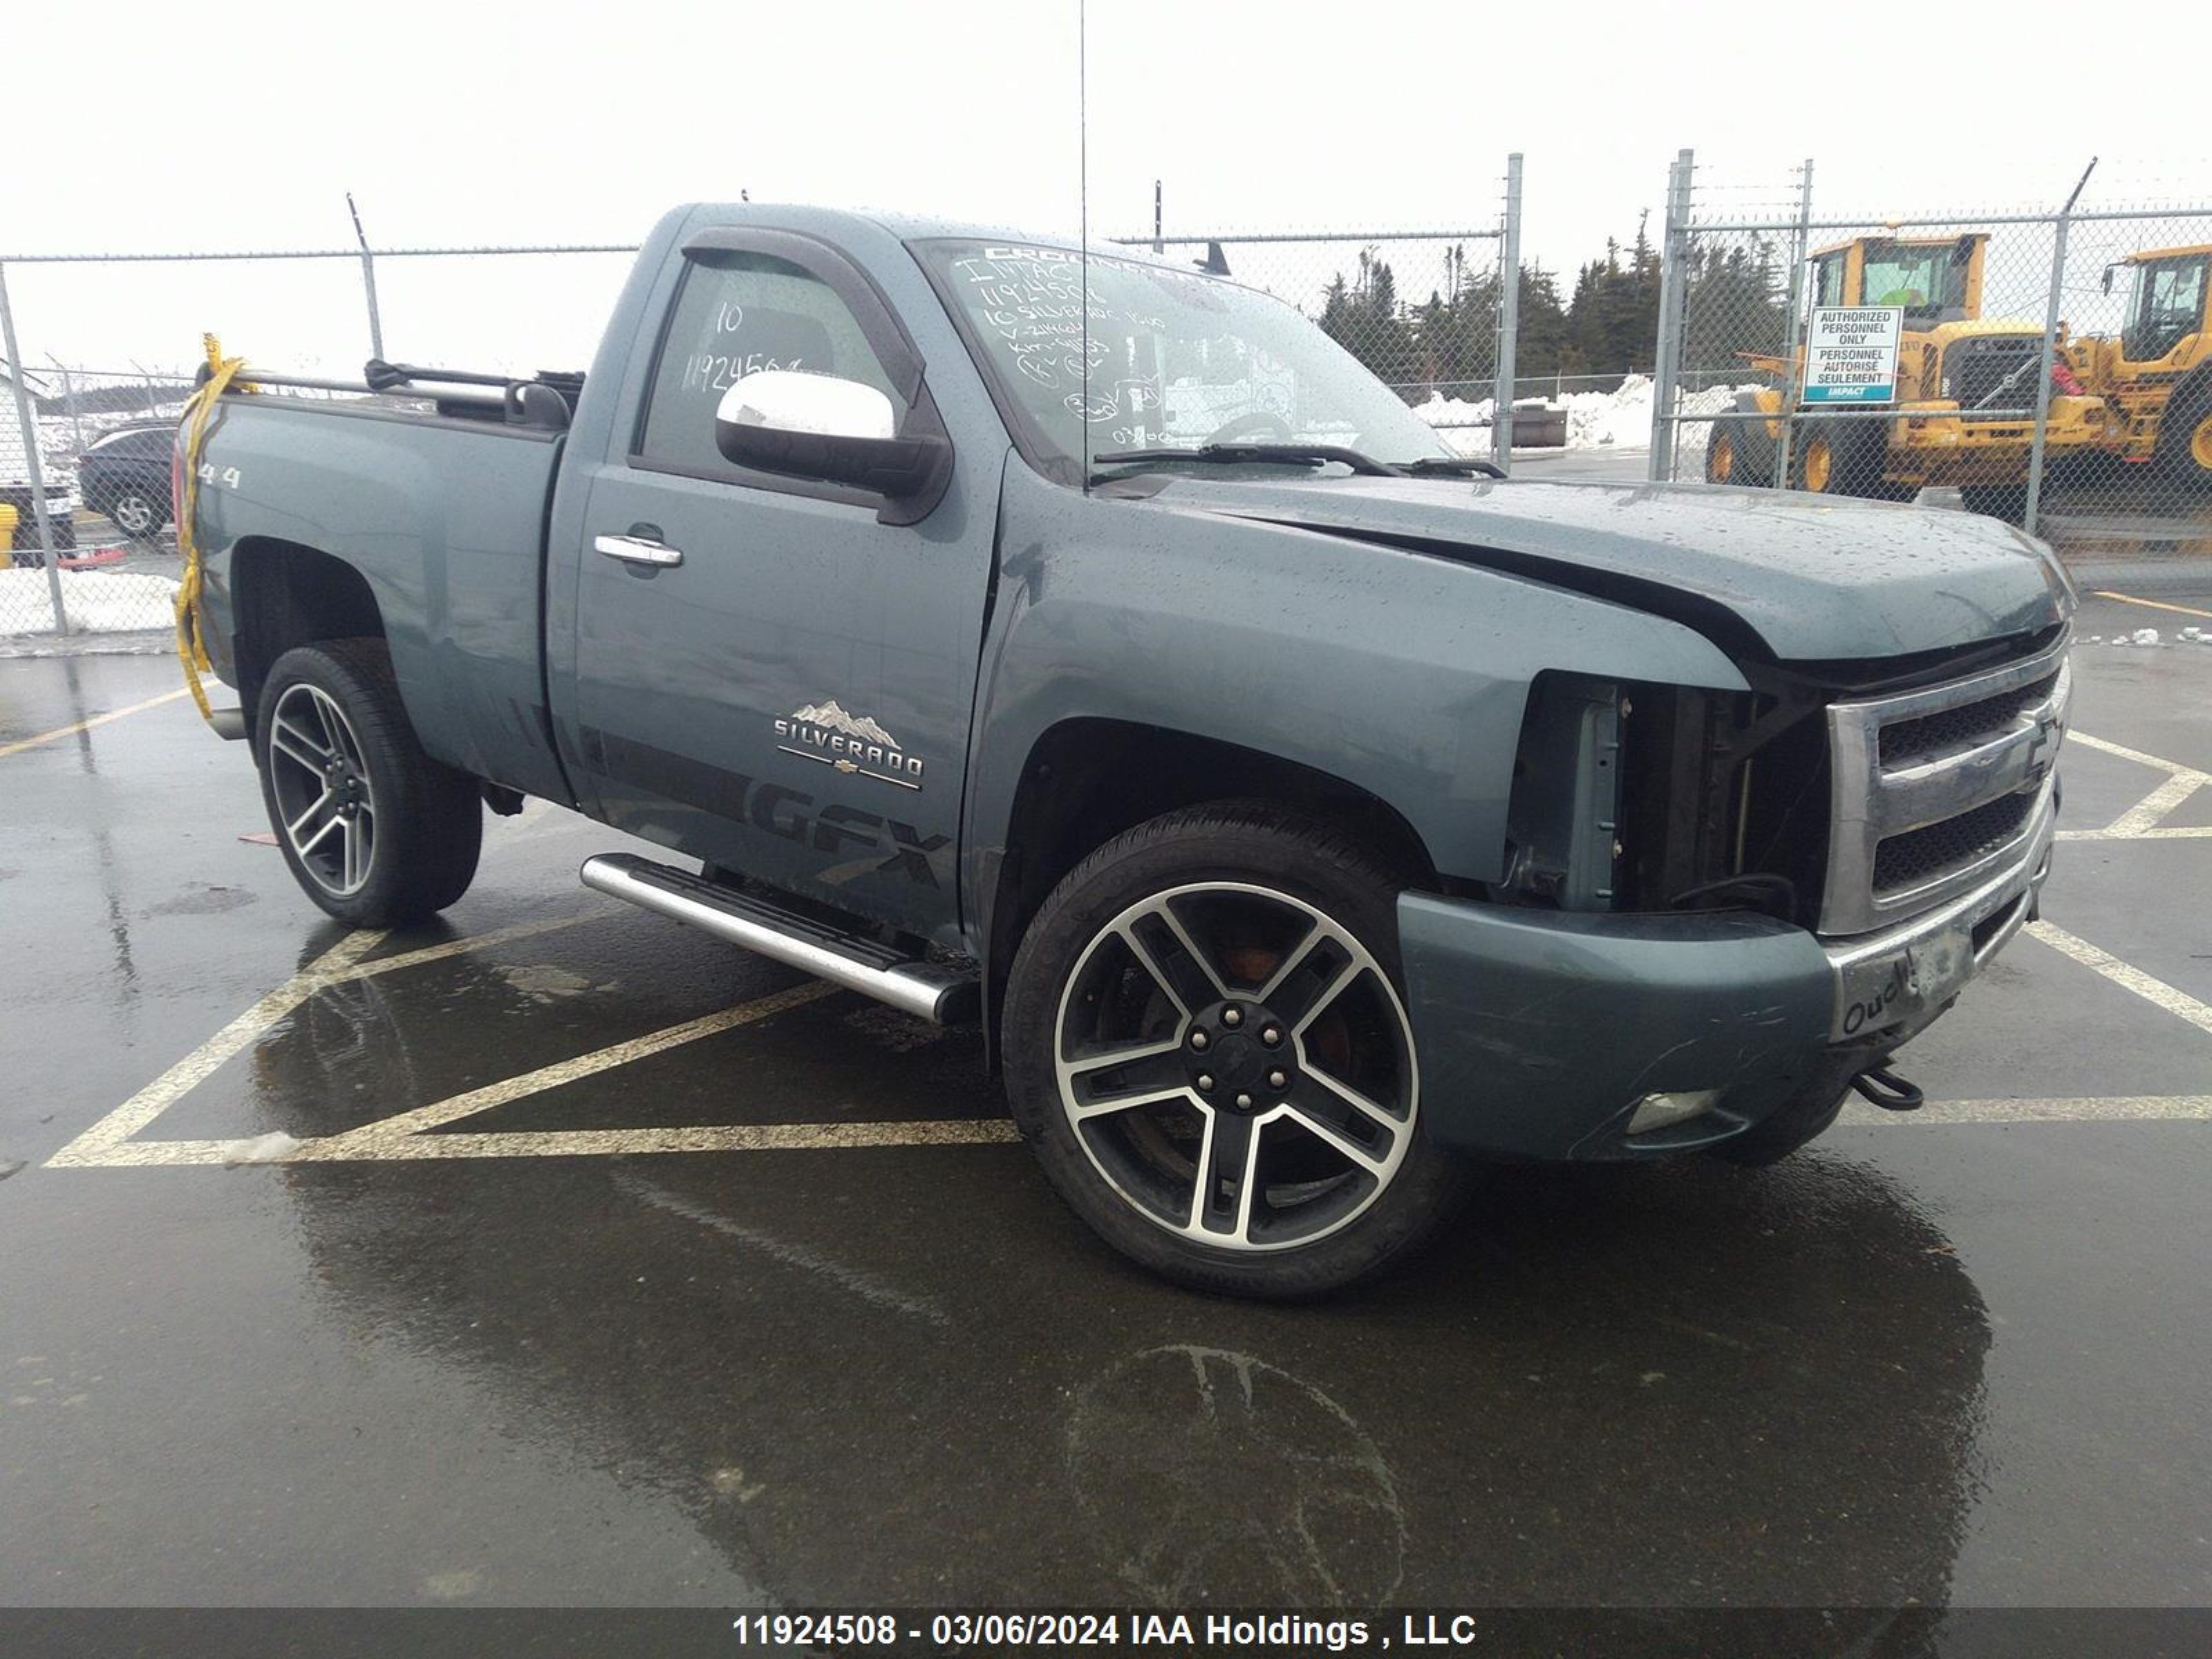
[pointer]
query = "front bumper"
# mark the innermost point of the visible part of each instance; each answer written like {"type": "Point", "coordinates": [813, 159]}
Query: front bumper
{"type": "Point", "coordinates": [1890, 984]}
{"type": "Point", "coordinates": [1538, 1032]}
{"type": "Point", "coordinates": [1935, 443]}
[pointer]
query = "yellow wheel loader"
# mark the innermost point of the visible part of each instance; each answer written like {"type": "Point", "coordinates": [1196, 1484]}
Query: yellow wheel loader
{"type": "Point", "coordinates": [2157, 375]}
{"type": "Point", "coordinates": [1962, 381]}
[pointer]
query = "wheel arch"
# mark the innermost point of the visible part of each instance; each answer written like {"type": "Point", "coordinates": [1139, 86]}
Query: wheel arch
{"type": "Point", "coordinates": [2191, 396]}
{"type": "Point", "coordinates": [284, 594]}
{"type": "Point", "coordinates": [1089, 778]}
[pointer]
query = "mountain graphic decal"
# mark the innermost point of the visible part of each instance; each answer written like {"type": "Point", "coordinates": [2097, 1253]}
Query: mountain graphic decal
{"type": "Point", "coordinates": [836, 719]}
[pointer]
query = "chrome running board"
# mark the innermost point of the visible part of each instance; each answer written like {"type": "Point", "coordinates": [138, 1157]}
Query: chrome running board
{"type": "Point", "coordinates": [925, 989]}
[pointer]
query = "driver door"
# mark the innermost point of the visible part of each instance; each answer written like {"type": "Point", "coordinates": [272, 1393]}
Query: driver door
{"type": "Point", "coordinates": [784, 688]}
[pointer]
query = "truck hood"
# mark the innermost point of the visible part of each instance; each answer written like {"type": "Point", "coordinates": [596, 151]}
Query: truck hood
{"type": "Point", "coordinates": [1794, 577]}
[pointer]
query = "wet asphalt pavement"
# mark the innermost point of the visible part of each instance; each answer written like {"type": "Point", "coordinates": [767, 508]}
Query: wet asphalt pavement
{"type": "Point", "coordinates": [1962, 1360]}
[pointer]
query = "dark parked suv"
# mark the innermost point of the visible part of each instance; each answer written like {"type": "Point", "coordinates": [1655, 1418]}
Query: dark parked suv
{"type": "Point", "coordinates": [126, 475]}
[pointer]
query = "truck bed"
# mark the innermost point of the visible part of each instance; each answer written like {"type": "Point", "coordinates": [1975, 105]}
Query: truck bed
{"type": "Point", "coordinates": [443, 515]}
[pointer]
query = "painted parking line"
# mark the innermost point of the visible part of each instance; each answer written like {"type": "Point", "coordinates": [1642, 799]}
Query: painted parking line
{"type": "Point", "coordinates": [372, 1140]}
{"type": "Point", "coordinates": [2154, 605]}
{"type": "Point", "coordinates": [114, 1142]}
{"type": "Point", "coordinates": [2145, 820]}
{"type": "Point", "coordinates": [425, 1131]}
{"type": "Point", "coordinates": [344, 963]}
{"type": "Point", "coordinates": [2174, 1000]}
{"type": "Point", "coordinates": [96, 1144]}
{"type": "Point", "coordinates": [60, 731]}
{"type": "Point", "coordinates": [567, 1143]}
{"type": "Point", "coordinates": [2096, 1109]}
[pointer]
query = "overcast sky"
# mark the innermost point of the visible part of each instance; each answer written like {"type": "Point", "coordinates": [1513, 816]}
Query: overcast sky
{"type": "Point", "coordinates": [219, 124]}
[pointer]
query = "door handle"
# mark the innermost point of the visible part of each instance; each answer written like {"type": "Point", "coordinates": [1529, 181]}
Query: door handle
{"type": "Point", "coordinates": [638, 550]}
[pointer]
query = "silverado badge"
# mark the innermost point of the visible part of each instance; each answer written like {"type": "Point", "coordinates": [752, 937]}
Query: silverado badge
{"type": "Point", "coordinates": [823, 732]}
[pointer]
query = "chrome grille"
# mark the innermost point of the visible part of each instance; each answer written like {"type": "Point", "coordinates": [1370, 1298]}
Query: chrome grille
{"type": "Point", "coordinates": [1908, 743]}
{"type": "Point", "coordinates": [1994, 374]}
{"type": "Point", "coordinates": [1903, 862]}
{"type": "Point", "coordinates": [1932, 791]}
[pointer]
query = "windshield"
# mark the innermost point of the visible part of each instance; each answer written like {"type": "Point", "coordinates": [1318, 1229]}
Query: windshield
{"type": "Point", "coordinates": [1925, 281]}
{"type": "Point", "coordinates": [1178, 359]}
{"type": "Point", "coordinates": [2166, 307]}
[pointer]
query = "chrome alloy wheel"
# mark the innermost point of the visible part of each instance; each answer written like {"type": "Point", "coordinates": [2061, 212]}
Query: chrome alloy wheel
{"type": "Point", "coordinates": [134, 515]}
{"type": "Point", "coordinates": [1237, 1066]}
{"type": "Point", "coordinates": [326, 805]}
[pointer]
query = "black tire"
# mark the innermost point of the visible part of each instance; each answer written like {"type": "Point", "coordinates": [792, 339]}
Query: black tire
{"type": "Point", "coordinates": [1739, 452]}
{"type": "Point", "coordinates": [1340, 1226]}
{"type": "Point", "coordinates": [139, 516]}
{"type": "Point", "coordinates": [2183, 456]}
{"type": "Point", "coordinates": [427, 818]}
{"type": "Point", "coordinates": [1855, 451]}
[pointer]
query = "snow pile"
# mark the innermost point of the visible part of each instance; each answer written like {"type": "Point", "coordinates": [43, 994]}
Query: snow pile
{"type": "Point", "coordinates": [275, 1147]}
{"type": "Point", "coordinates": [1595, 420]}
{"type": "Point", "coordinates": [2190, 635]}
{"type": "Point", "coordinates": [98, 601]}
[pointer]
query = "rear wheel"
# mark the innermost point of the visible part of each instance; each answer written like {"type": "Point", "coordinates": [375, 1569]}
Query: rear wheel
{"type": "Point", "coordinates": [1207, 1051]}
{"type": "Point", "coordinates": [2184, 446]}
{"type": "Point", "coordinates": [375, 831]}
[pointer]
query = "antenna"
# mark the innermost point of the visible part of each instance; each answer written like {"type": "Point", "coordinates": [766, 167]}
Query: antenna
{"type": "Point", "coordinates": [1083, 215]}
{"type": "Point", "coordinates": [367, 280]}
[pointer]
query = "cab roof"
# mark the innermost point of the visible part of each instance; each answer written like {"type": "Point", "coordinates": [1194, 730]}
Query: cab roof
{"type": "Point", "coordinates": [1889, 240]}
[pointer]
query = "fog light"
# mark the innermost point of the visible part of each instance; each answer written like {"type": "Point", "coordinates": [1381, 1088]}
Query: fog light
{"type": "Point", "coordinates": [1660, 1111]}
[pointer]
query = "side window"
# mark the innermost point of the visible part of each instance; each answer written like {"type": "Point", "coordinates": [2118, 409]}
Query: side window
{"type": "Point", "coordinates": [736, 313]}
{"type": "Point", "coordinates": [1828, 281]}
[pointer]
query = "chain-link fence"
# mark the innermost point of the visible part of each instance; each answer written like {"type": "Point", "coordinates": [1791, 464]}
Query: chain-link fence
{"type": "Point", "coordinates": [107, 558]}
{"type": "Point", "coordinates": [91, 446]}
{"type": "Point", "coordinates": [1426, 311]}
{"type": "Point", "coordinates": [2051, 368]}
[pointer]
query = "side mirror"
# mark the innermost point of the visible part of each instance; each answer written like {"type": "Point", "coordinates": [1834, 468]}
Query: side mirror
{"type": "Point", "coordinates": [2108, 279]}
{"type": "Point", "coordinates": [818, 426]}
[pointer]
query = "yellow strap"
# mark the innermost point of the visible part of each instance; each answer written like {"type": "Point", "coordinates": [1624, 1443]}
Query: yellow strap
{"type": "Point", "coordinates": [199, 411]}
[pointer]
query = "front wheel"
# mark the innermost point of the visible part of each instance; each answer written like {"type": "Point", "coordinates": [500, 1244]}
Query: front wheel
{"type": "Point", "coordinates": [1739, 452]}
{"type": "Point", "coordinates": [1825, 461]}
{"type": "Point", "coordinates": [375, 831]}
{"type": "Point", "coordinates": [1208, 1052]}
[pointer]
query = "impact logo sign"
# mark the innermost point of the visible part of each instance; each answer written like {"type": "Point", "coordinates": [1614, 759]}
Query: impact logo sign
{"type": "Point", "coordinates": [851, 743]}
{"type": "Point", "coordinates": [1850, 354]}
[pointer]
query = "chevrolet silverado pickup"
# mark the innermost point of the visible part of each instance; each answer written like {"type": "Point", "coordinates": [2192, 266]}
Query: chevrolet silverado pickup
{"type": "Point", "coordinates": [1085, 648]}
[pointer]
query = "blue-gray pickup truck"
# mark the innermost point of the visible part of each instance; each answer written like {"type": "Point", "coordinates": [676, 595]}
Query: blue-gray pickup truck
{"type": "Point", "coordinates": [1090, 649]}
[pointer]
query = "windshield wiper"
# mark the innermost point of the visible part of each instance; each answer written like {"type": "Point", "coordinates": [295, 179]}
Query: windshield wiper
{"type": "Point", "coordinates": [1436, 466]}
{"type": "Point", "coordinates": [1233, 454]}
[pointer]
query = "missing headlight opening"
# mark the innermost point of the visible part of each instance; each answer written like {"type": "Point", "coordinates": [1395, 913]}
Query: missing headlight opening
{"type": "Point", "coordinates": [1633, 797]}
